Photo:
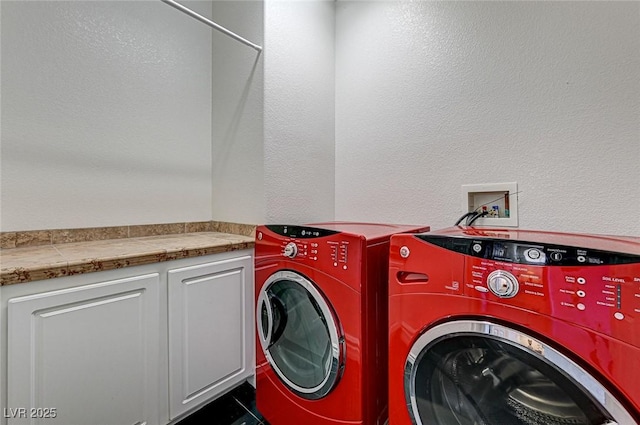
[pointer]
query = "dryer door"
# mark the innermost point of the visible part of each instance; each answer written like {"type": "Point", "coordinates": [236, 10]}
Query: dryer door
{"type": "Point", "coordinates": [300, 334]}
{"type": "Point", "coordinates": [476, 372]}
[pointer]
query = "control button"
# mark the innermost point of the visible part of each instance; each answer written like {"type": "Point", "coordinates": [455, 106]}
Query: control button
{"type": "Point", "coordinates": [532, 253]}
{"type": "Point", "coordinates": [404, 252]}
{"type": "Point", "coordinates": [581, 306]}
{"type": "Point", "coordinates": [581, 258]}
{"type": "Point", "coordinates": [291, 250]}
{"type": "Point", "coordinates": [618, 315]}
{"type": "Point", "coordinates": [481, 288]}
{"type": "Point", "coordinates": [582, 280]}
{"type": "Point", "coordinates": [477, 247]}
{"type": "Point", "coordinates": [503, 284]}
{"type": "Point", "coordinates": [344, 267]}
{"type": "Point", "coordinates": [556, 256]}
{"type": "Point", "coordinates": [581, 294]}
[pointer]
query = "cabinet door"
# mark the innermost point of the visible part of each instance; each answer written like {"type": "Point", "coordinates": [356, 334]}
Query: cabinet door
{"type": "Point", "coordinates": [85, 355]}
{"type": "Point", "coordinates": [210, 331]}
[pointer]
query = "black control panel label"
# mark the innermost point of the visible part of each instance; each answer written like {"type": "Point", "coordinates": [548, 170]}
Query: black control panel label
{"type": "Point", "coordinates": [523, 252]}
{"type": "Point", "coordinates": [301, 232]}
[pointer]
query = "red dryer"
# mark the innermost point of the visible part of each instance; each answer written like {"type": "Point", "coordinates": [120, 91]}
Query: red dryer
{"type": "Point", "coordinates": [321, 313]}
{"type": "Point", "coordinates": [502, 327]}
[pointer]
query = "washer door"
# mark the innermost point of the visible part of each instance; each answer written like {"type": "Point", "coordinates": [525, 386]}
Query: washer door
{"type": "Point", "coordinates": [479, 373]}
{"type": "Point", "coordinates": [300, 334]}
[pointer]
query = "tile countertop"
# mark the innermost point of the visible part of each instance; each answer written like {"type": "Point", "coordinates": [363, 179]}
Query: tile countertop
{"type": "Point", "coordinates": [30, 263]}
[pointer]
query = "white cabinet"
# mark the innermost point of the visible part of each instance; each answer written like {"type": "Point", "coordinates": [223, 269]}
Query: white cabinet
{"type": "Point", "coordinates": [141, 345]}
{"type": "Point", "coordinates": [211, 338]}
{"type": "Point", "coordinates": [85, 355]}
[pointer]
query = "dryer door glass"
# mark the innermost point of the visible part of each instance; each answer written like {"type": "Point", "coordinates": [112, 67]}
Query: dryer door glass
{"type": "Point", "coordinates": [480, 373]}
{"type": "Point", "coordinates": [300, 335]}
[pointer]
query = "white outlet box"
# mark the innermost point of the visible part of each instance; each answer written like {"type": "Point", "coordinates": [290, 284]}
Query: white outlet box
{"type": "Point", "coordinates": [499, 199]}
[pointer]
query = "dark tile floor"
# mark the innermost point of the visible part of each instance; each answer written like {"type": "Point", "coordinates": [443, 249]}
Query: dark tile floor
{"type": "Point", "coordinates": [237, 407]}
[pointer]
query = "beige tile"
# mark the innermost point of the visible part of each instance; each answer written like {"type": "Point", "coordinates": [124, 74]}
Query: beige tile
{"type": "Point", "coordinates": [172, 243]}
{"type": "Point", "coordinates": [197, 244]}
{"type": "Point", "coordinates": [233, 238]}
{"type": "Point", "coordinates": [44, 262]}
{"type": "Point", "coordinates": [116, 262]}
{"type": "Point", "coordinates": [155, 229]}
{"type": "Point", "coordinates": [200, 226]}
{"type": "Point", "coordinates": [107, 249]}
{"type": "Point", "coordinates": [207, 250]}
{"type": "Point", "coordinates": [88, 234]}
{"type": "Point", "coordinates": [30, 263]}
{"type": "Point", "coordinates": [30, 257]}
{"type": "Point", "coordinates": [33, 238]}
{"type": "Point", "coordinates": [173, 255]}
{"type": "Point", "coordinates": [20, 275]}
{"type": "Point", "coordinates": [234, 228]}
{"type": "Point", "coordinates": [8, 239]}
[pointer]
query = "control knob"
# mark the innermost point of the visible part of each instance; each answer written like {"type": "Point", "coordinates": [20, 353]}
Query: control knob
{"type": "Point", "coordinates": [503, 284]}
{"type": "Point", "coordinates": [291, 250]}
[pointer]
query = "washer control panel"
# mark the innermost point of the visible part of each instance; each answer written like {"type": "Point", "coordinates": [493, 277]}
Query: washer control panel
{"type": "Point", "coordinates": [503, 284]}
{"type": "Point", "coordinates": [533, 253]}
{"type": "Point", "coordinates": [597, 288]}
{"type": "Point", "coordinates": [504, 280]}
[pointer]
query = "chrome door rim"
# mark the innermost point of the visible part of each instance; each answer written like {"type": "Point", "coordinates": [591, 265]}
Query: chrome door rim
{"type": "Point", "coordinates": [517, 339]}
{"type": "Point", "coordinates": [338, 350]}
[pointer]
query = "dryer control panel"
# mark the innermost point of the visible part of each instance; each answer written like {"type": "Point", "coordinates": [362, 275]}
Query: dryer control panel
{"type": "Point", "coordinates": [318, 247]}
{"type": "Point", "coordinates": [596, 288]}
{"type": "Point", "coordinates": [314, 252]}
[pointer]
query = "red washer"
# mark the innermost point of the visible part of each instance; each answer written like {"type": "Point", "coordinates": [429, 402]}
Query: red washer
{"type": "Point", "coordinates": [499, 326]}
{"type": "Point", "coordinates": [321, 313]}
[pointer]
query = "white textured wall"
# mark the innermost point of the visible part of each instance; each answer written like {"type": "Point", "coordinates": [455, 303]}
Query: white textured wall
{"type": "Point", "coordinates": [434, 95]}
{"type": "Point", "coordinates": [106, 114]}
{"type": "Point", "coordinates": [373, 111]}
{"type": "Point", "coordinates": [237, 123]}
{"type": "Point", "coordinates": [299, 108]}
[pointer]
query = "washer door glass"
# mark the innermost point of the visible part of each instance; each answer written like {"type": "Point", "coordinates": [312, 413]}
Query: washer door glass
{"type": "Point", "coordinates": [300, 334]}
{"type": "Point", "coordinates": [480, 373]}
